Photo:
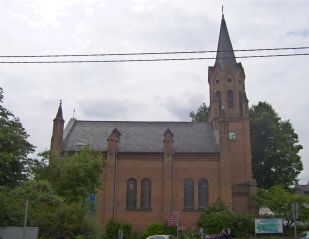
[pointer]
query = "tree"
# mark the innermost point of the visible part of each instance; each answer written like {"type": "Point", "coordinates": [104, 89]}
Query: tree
{"type": "Point", "coordinates": [279, 201]}
{"type": "Point", "coordinates": [201, 115]}
{"type": "Point", "coordinates": [15, 166]}
{"type": "Point", "coordinates": [75, 177]}
{"type": "Point", "coordinates": [275, 148]}
{"type": "Point", "coordinates": [55, 218]}
{"type": "Point", "coordinates": [12, 202]}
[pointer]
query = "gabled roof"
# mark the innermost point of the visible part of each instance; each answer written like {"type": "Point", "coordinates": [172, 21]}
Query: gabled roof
{"type": "Point", "coordinates": [141, 136]}
{"type": "Point", "coordinates": [303, 187]}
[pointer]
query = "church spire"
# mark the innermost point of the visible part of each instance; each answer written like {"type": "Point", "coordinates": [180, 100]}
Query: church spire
{"type": "Point", "coordinates": [57, 136]}
{"type": "Point", "coordinates": [59, 115]}
{"type": "Point", "coordinates": [225, 52]}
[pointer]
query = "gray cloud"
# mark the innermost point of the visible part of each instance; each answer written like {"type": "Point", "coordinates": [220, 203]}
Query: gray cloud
{"type": "Point", "coordinates": [166, 90]}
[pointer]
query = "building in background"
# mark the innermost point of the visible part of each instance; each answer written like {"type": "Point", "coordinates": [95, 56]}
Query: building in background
{"type": "Point", "coordinates": [156, 168]}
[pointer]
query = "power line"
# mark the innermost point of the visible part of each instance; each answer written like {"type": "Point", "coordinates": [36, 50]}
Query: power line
{"type": "Point", "coordinates": [143, 60]}
{"type": "Point", "coordinates": [154, 53]}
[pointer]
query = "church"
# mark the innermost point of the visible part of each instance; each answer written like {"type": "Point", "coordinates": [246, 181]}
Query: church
{"type": "Point", "coordinates": [157, 169]}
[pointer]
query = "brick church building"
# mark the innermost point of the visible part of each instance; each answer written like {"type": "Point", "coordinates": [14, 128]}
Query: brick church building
{"type": "Point", "coordinates": [156, 168]}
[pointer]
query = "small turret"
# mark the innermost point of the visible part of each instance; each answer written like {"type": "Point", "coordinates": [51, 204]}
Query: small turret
{"type": "Point", "coordinates": [57, 137]}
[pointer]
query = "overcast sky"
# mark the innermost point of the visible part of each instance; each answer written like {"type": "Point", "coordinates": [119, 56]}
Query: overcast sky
{"type": "Point", "coordinates": [147, 91]}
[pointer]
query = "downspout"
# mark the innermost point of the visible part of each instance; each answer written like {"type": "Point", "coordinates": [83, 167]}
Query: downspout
{"type": "Point", "coordinates": [173, 181]}
{"type": "Point", "coordinates": [115, 184]}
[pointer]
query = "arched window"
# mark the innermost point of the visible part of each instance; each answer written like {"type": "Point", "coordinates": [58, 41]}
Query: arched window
{"type": "Point", "coordinates": [146, 194]}
{"type": "Point", "coordinates": [240, 104]}
{"type": "Point", "coordinates": [189, 194]}
{"type": "Point", "coordinates": [202, 193]}
{"type": "Point", "coordinates": [230, 100]}
{"type": "Point", "coordinates": [219, 97]}
{"type": "Point", "coordinates": [131, 194]}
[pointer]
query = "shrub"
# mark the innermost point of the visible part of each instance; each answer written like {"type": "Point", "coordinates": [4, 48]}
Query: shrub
{"type": "Point", "coordinates": [169, 230]}
{"type": "Point", "coordinates": [155, 228]}
{"type": "Point", "coordinates": [217, 216]}
{"type": "Point", "coordinates": [112, 228]}
{"type": "Point", "coordinates": [126, 229]}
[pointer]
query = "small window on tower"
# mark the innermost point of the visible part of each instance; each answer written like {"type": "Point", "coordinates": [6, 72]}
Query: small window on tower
{"type": "Point", "coordinates": [217, 81]}
{"type": "Point", "coordinates": [240, 104]}
{"type": "Point", "coordinates": [229, 80]}
{"type": "Point", "coordinates": [230, 99]}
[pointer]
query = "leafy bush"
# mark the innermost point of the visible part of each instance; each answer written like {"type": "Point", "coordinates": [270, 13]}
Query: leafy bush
{"type": "Point", "coordinates": [126, 229]}
{"type": "Point", "coordinates": [155, 228]}
{"type": "Point", "coordinates": [217, 216]}
{"type": "Point", "coordinates": [169, 230]}
{"type": "Point", "coordinates": [243, 225]}
{"type": "Point", "coordinates": [112, 228]}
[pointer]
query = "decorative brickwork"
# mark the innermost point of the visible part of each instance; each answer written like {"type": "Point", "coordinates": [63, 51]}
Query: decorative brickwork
{"type": "Point", "coordinates": [141, 156]}
{"type": "Point", "coordinates": [197, 157]}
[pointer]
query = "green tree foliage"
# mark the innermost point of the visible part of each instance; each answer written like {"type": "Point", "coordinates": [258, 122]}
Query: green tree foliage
{"type": "Point", "coordinates": [275, 148]}
{"type": "Point", "coordinates": [55, 218]}
{"type": "Point", "coordinates": [201, 115]}
{"type": "Point", "coordinates": [279, 201]}
{"type": "Point", "coordinates": [217, 216]}
{"type": "Point", "coordinates": [66, 222]}
{"type": "Point", "coordinates": [75, 177]}
{"type": "Point", "coordinates": [12, 202]}
{"type": "Point", "coordinates": [15, 166]}
{"type": "Point", "coordinates": [11, 208]}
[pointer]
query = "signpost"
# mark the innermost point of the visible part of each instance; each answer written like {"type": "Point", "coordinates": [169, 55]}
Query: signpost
{"type": "Point", "coordinates": [172, 220]}
{"type": "Point", "coordinates": [295, 216]}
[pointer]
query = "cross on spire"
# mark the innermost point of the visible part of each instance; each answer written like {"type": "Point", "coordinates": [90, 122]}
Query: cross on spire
{"type": "Point", "coordinates": [222, 12]}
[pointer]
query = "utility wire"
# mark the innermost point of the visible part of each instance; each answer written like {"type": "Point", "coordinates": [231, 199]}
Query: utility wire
{"type": "Point", "coordinates": [154, 53]}
{"type": "Point", "coordinates": [143, 60]}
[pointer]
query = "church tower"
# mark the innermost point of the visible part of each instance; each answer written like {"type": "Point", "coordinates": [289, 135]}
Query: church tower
{"type": "Point", "coordinates": [229, 116]}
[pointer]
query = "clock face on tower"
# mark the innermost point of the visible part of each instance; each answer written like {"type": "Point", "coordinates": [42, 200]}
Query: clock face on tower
{"type": "Point", "coordinates": [232, 135]}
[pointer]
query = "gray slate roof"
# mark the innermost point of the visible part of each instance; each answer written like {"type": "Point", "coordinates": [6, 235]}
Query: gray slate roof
{"type": "Point", "coordinates": [135, 136]}
{"type": "Point", "coordinates": [225, 52]}
{"type": "Point", "coordinates": [303, 187]}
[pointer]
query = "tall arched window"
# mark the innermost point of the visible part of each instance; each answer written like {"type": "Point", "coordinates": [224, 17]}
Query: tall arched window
{"type": "Point", "coordinates": [131, 194]}
{"type": "Point", "coordinates": [230, 99]}
{"type": "Point", "coordinates": [240, 104]}
{"type": "Point", "coordinates": [189, 194]}
{"type": "Point", "coordinates": [202, 193]}
{"type": "Point", "coordinates": [146, 194]}
{"type": "Point", "coordinates": [219, 97]}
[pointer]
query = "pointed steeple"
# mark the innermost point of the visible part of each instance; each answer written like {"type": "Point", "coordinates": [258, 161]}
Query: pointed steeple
{"type": "Point", "coordinates": [59, 115]}
{"type": "Point", "coordinates": [225, 52]}
{"type": "Point", "coordinates": [57, 136]}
